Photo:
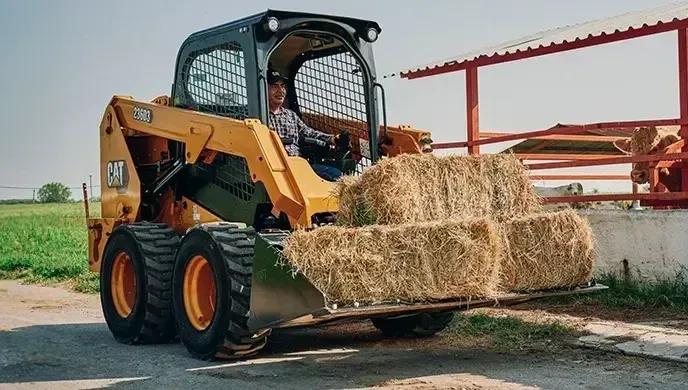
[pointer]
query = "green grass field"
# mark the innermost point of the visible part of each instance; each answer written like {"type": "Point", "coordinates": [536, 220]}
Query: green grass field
{"type": "Point", "coordinates": [46, 243]}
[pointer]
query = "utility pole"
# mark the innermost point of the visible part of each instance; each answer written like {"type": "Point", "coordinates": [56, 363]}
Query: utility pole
{"type": "Point", "coordinates": [90, 184]}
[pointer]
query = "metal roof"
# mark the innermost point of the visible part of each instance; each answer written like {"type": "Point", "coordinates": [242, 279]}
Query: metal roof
{"type": "Point", "coordinates": [626, 26]}
{"type": "Point", "coordinates": [571, 145]}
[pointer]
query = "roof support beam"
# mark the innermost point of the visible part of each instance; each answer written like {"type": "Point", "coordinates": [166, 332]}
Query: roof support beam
{"type": "Point", "coordinates": [472, 110]}
{"type": "Point", "coordinates": [683, 96]}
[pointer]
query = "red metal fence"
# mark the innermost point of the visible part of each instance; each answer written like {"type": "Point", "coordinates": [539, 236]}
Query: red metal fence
{"type": "Point", "coordinates": [677, 159]}
{"type": "Point", "coordinates": [578, 160]}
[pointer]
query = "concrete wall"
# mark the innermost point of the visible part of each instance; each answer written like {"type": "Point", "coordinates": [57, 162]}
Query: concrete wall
{"type": "Point", "coordinates": [653, 243]}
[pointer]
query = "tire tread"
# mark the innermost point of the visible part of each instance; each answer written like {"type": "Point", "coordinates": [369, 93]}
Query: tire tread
{"type": "Point", "coordinates": [236, 246]}
{"type": "Point", "coordinates": [158, 244]}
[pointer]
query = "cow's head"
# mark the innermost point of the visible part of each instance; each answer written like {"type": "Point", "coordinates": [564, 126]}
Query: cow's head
{"type": "Point", "coordinates": [646, 140]}
{"type": "Point", "coordinates": [575, 189]}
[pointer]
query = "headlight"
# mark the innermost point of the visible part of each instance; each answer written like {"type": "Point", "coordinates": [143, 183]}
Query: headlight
{"type": "Point", "coordinates": [273, 24]}
{"type": "Point", "coordinates": [371, 35]}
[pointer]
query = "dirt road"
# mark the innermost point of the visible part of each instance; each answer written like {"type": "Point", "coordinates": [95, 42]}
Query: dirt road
{"type": "Point", "coordinates": [52, 338]}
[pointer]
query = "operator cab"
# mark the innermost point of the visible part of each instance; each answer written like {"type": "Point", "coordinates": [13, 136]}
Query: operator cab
{"type": "Point", "coordinates": [331, 83]}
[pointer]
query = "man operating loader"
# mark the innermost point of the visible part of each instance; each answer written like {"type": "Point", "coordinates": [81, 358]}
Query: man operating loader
{"type": "Point", "coordinates": [290, 127]}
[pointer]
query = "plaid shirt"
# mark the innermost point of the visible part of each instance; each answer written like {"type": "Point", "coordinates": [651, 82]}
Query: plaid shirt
{"type": "Point", "coordinates": [289, 127]}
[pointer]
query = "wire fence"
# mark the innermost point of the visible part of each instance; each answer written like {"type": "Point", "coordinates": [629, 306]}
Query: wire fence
{"type": "Point", "coordinates": [19, 192]}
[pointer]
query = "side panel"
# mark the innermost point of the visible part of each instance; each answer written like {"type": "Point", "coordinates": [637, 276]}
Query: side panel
{"type": "Point", "coordinates": [119, 181]}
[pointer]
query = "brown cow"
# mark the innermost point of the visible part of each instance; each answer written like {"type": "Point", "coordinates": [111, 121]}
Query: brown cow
{"type": "Point", "coordinates": [652, 140]}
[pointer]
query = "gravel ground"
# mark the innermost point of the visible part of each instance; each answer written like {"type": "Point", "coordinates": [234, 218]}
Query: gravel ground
{"type": "Point", "coordinates": [53, 338]}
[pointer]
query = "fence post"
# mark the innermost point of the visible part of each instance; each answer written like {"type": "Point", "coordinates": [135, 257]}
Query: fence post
{"type": "Point", "coordinates": [683, 96]}
{"type": "Point", "coordinates": [472, 111]}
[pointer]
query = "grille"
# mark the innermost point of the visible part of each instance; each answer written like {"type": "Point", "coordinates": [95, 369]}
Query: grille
{"type": "Point", "coordinates": [233, 176]}
{"type": "Point", "coordinates": [216, 82]}
{"type": "Point", "coordinates": [331, 96]}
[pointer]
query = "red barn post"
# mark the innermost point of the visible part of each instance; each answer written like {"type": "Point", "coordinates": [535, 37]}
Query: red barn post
{"type": "Point", "coordinates": [472, 111]}
{"type": "Point", "coordinates": [683, 96]}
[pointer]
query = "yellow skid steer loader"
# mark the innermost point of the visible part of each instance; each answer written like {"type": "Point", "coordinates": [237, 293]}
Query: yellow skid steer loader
{"type": "Point", "coordinates": [198, 194]}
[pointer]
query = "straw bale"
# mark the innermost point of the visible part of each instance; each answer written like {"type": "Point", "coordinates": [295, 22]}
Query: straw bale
{"type": "Point", "coordinates": [545, 251]}
{"type": "Point", "coordinates": [411, 262]}
{"type": "Point", "coordinates": [422, 187]}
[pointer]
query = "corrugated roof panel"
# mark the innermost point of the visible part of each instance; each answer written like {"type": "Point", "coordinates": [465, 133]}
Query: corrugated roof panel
{"type": "Point", "coordinates": [567, 34]}
{"type": "Point", "coordinates": [535, 146]}
{"type": "Point", "coordinates": [590, 146]}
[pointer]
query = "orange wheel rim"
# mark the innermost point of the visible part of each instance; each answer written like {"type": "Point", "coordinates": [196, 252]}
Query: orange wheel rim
{"type": "Point", "coordinates": [123, 284]}
{"type": "Point", "coordinates": [199, 292]}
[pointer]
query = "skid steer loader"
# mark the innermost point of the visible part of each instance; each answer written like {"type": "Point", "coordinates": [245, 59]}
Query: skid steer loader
{"type": "Point", "coordinates": [198, 194]}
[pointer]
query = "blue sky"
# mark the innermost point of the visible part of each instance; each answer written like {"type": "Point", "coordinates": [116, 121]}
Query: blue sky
{"type": "Point", "coordinates": [62, 61]}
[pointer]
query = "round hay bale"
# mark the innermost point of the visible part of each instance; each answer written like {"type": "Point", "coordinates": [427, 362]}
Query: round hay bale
{"type": "Point", "coordinates": [545, 251]}
{"type": "Point", "coordinates": [410, 262]}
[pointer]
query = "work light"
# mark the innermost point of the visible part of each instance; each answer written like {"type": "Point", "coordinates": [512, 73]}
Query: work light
{"type": "Point", "coordinates": [273, 24]}
{"type": "Point", "coordinates": [371, 35]}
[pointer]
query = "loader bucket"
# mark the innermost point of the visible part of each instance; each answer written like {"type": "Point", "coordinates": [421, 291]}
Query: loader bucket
{"type": "Point", "coordinates": [281, 299]}
{"type": "Point", "coordinates": [277, 295]}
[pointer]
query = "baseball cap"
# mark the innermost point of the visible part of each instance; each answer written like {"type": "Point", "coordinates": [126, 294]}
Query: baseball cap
{"type": "Point", "coordinates": [275, 76]}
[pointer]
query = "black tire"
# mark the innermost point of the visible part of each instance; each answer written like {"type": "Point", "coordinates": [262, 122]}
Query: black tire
{"type": "Point", "coordinates": [229, 251]}
{"type": "Point", "coordinates": [151, 248]}
{"type": "Point", "coordinates": [416, 325]}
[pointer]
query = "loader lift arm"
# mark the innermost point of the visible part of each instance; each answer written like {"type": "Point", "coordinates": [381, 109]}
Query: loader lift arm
{"type": "Point", "coordinates": [291, 184]}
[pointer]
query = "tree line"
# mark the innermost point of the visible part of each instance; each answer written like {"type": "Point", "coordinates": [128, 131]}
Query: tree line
{"type": "Point", "coordinates": [48, 193]}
